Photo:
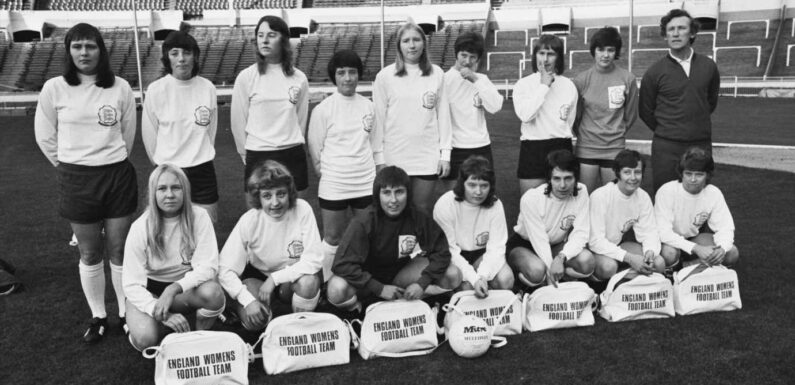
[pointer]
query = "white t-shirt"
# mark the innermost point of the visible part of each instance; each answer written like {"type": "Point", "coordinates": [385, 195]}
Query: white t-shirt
{"type": "Point", "coordinates": [545, 112]}
{"type": "Point", "coordinates": [468, 103]}
{"type": "Point", "coordinates": [613, 214]}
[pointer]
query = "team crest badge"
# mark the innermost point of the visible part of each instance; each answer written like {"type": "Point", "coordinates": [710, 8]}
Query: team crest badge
{"type": "Point", "coordinates": [293, 93]}
{"type": "Point", "coordinates": [701, 218]}
{"type": "Point", "coordinates": [429, 100]}
{"type": "Point", "coordinates": [615, 96]}
{"type": "Point", "coordinates": [295, 249]}
{"type": "Point", "coordinates": [108, 116]}
{"type": "Point", "coordinates": [482, 239]}
{"type": "Point", "coordinates": [367, 122]}
{"type": "Point", "coordinates": [408, 247]}
{"type": "Point", "coordinates": [567, 222]}
{"type": "Point", "coordinates": [564, 111]}
{"type": "Point", "coordinates": [202, 116]}
{"type": "Point", "coordinates": [477, 101]}
{"type": "Point", "coordinates": [628, 225]}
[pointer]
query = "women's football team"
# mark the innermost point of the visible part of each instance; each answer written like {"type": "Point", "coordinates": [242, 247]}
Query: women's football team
{"type": "Point", "coordinates": [379, 163]}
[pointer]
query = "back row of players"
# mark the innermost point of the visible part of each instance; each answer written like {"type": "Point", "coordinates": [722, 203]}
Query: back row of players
{"type": "Point", "coordinates": [426, 124]}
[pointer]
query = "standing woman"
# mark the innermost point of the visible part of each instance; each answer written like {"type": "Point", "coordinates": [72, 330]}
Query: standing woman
{"type": "Point", "coordinates": [345, 151]}
{"type": "Point", "coordinates": [545, 102]}
{"type": "Point", "coordinates": [85, 126]}
{"type": "Point", "coordinates": [270, 102]}
{"type": "Point", "coordinates": [607, 108]}
{"type": "Point", "coordinates": [171, 263]}
{"type": "Point", "coordinates": [180, 120]}
{"type": "Point", "coordinates": [411, 111]}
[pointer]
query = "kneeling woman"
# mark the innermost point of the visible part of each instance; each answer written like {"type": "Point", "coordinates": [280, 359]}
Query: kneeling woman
{"type": "Point", "coordinates": [474, 222]}
{"type": "Point", "coordinates": [171, 257]}
{"type": "Point", "coordinates": [393, 251]}
{"type": "Point", "coordinates": [273, 250]}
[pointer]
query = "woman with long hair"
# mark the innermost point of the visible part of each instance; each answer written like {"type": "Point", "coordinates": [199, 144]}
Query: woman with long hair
{"type": "Point", "coordinates": [85, 126]}
{"type": "Point", "coordinates": [180, 120]}
{"type": "Point", "coordinates": [412, 112]}
{"type": "Point", "coordinates": [270, 103]}
{"type": "Point", "coordinates": [171, 263]}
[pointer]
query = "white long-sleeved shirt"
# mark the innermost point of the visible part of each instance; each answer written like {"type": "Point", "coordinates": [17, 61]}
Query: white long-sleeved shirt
{"type": "Point", "coordinates": [681, 214]}
{"type": "Point", "coordinates": [345, 146]}
{"type": "Point", "coordinates": [613, 214]}
{"type": "Point", "coordinates": [547, 220]}
{"type": "Point", "coordinates": [139, 264]}
{"type": "Point", "coordinates": [545, 112]}
{"type": "Point", "coordinates": [269, 112]}
{"type": "Point", "coordinates": [412, 112]}
{"type": "Point", "coordinates": [284, 249]}
{"type": "Point", "coordinates": [179, 121]}
{"type": "Point", "coordinates": [469, 227]}
{"type": "Point", "coordinates": [85, 124]}
{"type": "Point", "coordinates": [468, 102]}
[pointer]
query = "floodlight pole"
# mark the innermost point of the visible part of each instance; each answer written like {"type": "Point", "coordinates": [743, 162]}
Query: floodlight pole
{"type": "Point", "coordinates": [631, 24]}
{"type": "Point", "coordinates": [137, 51]}
{"type": "Point", "coordinates": [383, 49]}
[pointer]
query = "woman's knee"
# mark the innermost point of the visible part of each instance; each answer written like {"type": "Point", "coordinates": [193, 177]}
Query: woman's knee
{"type": "Point", "coordinates": [670, 255]}
{"type": "Point", "coordinates": [604, 268]}
{"type": "Point", "coordinates": [142, 338]}
{"type": "Point", "coordinates": [584, 263]}
{"type": "Point", "coordinates": [211, 294]}
{"type": "Point", "coordinates": [338, 290]}
{"type": "Point", "coordinates": [307, 286]}
{"type": "Point", "coordinates": [504, 279]}
{"type": "Point", "coordinates": [451, 278]}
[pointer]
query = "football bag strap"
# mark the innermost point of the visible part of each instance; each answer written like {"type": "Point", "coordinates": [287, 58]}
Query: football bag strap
{"type": "Point", "coordinates": [151, 352]}
{"type": "Point", "coordinates": [354, 336]}
{"type": "Point", "coordinates": [611, 285]}
{"type": "Point", "coordinates": [252, 355]}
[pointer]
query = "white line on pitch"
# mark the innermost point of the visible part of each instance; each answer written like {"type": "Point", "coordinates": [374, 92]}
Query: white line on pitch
{"type": "Point", "coordinates": [730, 145]}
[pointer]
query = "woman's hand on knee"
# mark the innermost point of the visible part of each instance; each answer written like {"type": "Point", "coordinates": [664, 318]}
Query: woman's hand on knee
{"type": "Point", "coordinates": [414, 291]}
{"type": "Point", "coordinates": [266, 290]}
{"type": "Point", "coordinates": [481, 288]}
{"type": "Point", "coordinates": [257, 315]}
{"type": "Point", "coordinates": [163, 304]}
{"type": "Point", "coordinates": [177, 322]}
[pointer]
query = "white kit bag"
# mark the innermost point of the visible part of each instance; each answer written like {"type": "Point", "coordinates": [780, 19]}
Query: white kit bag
{"type": "Point", "coordinates": [397, 328]}
{"type": "Point", "coordinates": [488, 309]}
{"type": "Point", "coordinates": [201, 357]}
{"type": "Point", "coordinates": [643, 297]}
{"type": "Point", "coordinates": [304, 340]}
{"type": "Point", "coordinates": [569, 305]}
{"type": "Point", "coordinates": [699, 288]}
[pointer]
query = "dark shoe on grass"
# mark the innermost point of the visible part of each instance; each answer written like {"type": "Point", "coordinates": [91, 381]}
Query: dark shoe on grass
{"type": "Point", "coordinates": [96, 330]}
{"type": "Point", "coordinates": [123, 326]}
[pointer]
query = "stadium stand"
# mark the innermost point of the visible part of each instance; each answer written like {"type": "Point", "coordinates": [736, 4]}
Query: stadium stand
{"type": "Point", "coordinates": [15, 5]}
{"type": "Point", "coordinates": [361, 3]}
{"type": "Point", "coordinates": [101, 5]}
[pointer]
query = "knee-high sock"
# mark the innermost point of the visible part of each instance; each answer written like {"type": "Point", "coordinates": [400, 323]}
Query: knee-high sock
{"type": "Point", "coordinates": [527, 282]}
{"type": "Point", "coordinates": [571, 272]}
{"type": "Point", "coordinates": [435, 290]}
{"type": "Point", "coordinates": [305, 304]}
{"type": "Point", "coordinates": [115, 279]}
{"type": "Point", "coordinates": [328, 259]}
{"type": "Point", "coordinates": [205, 318]}
{"type": "Point", "coordinates": [92, 278]}
{"type": "Point", "coordinates": [349, 305]}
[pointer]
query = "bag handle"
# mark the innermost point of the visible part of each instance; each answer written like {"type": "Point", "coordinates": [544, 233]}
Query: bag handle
{"type": "Point", "coordinates": [695, 269]}
{"type": "Point", "coordinates": [253, 348]}
{"type": "Point", "coordinates": [615, 279]}
{"type": "Point", "coordinates": [354, 337]}
{"type": "Point", "coordinates": [156, 350]}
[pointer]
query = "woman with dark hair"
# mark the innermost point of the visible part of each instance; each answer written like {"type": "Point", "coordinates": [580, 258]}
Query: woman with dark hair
{"type": "Point", "coordinates": [545, 102]}
{"type": "Point", "coordinates": [273, 251]}
{"type": "Point", "coordinates": [412, 112]}
{"type": "Point", "coordinates": [344, 150]}
{"type": "Point", "coordinates": [473, 220]}
{"type": "Point", "coordinates": [607, 109]}
{"type": "Point", "coordinates": [180, 120]}
{"type": "Point", "coordinates": [171, 263]}
{"type": "Point", "coordinates": [270, 103]}
{"type": "Point", "coordinates": [85, 126]}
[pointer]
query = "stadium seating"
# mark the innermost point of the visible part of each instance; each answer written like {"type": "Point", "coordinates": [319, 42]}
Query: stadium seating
{"type": "Point", "coordinates": [361, 3]}
{"type": "Point", "coordinates": [101, 5]}
{"type": "Point", "coordinates": [15, 5]}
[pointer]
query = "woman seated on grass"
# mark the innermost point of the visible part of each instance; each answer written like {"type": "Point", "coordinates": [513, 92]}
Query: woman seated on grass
{"type": "Point", "coordinates": [170, 263]}
{"type": "Point", "coordinates": [274, 250]}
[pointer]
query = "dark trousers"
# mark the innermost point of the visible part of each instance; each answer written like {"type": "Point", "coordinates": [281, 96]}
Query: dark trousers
{"type": "Point", "coordinates": [665, 156]}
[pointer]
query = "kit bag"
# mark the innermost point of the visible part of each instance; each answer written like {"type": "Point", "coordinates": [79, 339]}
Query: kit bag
{"type": "Point", "coordinates": [569, 305]}
{"type": "Point", "coordinates": [699, 289]}
{"type": "Point", "coordinates": [488, 309]}
{"type": "Point", "coordinates": [304, 340]}
{"type": "Point", "coordinates": [201, 357]}
{"type": "Point", "coordinates": [397, 328]}
{"type": "Point", "coordinates": [642, 297]}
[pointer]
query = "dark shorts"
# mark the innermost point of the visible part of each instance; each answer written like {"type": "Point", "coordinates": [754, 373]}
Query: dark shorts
{"type": "Point", "coordinates": [339, 205]}
{"type": "Point", "coordinates": [430, 177]}
{"type": "Point", "coordinates": [156, 287]}
{"type": "Point", "coordinates": [89, 194]}
{"type": "Point", "coordinates": [603, 163]}
{"type": "Point", "coordinates": [459, 155]}
{"type": "Point", "coordinates": [685, 256]}
{"type": "Point", "coordinates": [472, 256]}
{"type": "Point", "coordinates": [252, 272]}
{"type": "Point", "coordinates": [515, 241]}
{"type": "Point", "coordinates": [533, 156]}
{"type": "Point", "coordinates": [294, 158]}
{"type": "Point", "coordinates": [203, 183]}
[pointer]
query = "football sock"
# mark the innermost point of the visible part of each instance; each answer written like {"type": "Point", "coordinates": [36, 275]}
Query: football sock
{"type": "Point", "coordinates": [305, 304]}
{"type": "Point", "coordinates": [435, 290]}
{"type": "Point", "coordinates": [92, 278]}
{"type": "Point", "coordinates": [527, 282]}
{"type": "Point", "coordinates": [205, 318]}
{"type": "Point", "coordinates": [328, 259]}
{"type": "Point", "coordinates": [576, 274]}
{"type": "Point", "coordinates": [115, 279]}
{"type": "Point", "coordinates": [350, 305]}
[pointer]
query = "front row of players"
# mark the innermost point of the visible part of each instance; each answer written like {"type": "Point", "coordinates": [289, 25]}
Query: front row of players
{"type": "Point", "coordinates": [395, 251]}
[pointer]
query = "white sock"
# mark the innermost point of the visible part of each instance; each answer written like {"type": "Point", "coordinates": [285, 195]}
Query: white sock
{"type": "Point", "coordinates": [328, 259]}
{"type": "Point", "coordinates": [576, 274]}
{"type": "Point", "coordinates": [435, 290]}
{"type": "Point", "coordinates": [92, 278]}
{"type": "Point", "coordinates": [305, 304]}
{"type": "Point", "coordinates": [115, 279]}
{"type": "Point", "coordinates": [349, 305]}
{"type": "Point", "coordinates": [527, 282]}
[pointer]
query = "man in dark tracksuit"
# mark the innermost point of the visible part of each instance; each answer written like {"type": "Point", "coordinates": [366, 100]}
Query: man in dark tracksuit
{"type": "Point", "coordinates": [677, 96]}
